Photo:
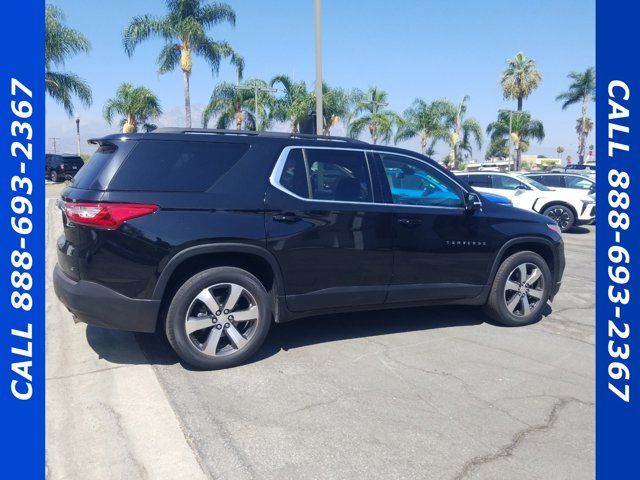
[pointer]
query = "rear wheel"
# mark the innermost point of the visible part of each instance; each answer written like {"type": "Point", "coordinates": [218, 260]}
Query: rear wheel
{"type": "Point", "coordinates": [520, 290]}
{"type": "Point", "coordinates": [218, 318]}
{"type": "Point", "coordinates": [562, 215]}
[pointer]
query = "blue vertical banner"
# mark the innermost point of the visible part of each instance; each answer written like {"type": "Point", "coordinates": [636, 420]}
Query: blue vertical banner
{"type": "Point", "coordinates": [617, 240]}
{"type": "Point", "coordinates": [22, 360]}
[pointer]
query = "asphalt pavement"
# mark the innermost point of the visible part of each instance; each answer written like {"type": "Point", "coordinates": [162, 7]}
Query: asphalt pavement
{"type": "Point", "coordinates": [428, 393]}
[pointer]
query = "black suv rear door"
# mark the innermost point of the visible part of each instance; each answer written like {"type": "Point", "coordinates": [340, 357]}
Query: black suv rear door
{"type": "Point", "coordinates": [331, 239]}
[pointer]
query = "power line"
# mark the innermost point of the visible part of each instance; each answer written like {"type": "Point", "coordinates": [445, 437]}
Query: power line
{"type": "Point", "coordinates": [55, 140]}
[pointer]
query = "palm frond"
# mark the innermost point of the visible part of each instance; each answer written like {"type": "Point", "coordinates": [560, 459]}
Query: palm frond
{"type": "Point", "coordinates": [63, 86]}
{"type": "Point", "coordinates": [142, 28]}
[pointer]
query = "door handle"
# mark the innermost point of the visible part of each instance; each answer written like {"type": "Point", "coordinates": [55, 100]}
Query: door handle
{"type": "Point", "coordinates": [409, 222]}
{"type": "Point", "coordinates": [285, 218]}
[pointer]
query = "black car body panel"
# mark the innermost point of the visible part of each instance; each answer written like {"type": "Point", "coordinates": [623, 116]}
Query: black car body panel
{"type": "Point", "coordinates": [319, 255]}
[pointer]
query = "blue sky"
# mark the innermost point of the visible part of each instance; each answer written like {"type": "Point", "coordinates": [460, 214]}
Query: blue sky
{"type": "Point", "coordinates": [410, 48]}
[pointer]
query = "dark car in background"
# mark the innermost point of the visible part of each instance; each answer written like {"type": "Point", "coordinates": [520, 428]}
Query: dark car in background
{"type": "Point", "coordinates": [60, 167]}
{"type": "Point", "coordinates": [211, 236]}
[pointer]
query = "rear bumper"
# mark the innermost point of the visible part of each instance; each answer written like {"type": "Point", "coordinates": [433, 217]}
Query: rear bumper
{"type": "Point", "coordinates": [100, 306]}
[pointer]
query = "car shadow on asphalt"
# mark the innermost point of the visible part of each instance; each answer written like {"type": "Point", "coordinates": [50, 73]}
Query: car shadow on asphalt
{"type": "Point", "coordinates": [578, 230]}
{"type": "Point", "coordinates": [124, 347]}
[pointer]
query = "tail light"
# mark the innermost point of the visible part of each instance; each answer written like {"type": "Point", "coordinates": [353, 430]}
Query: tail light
{"type": "Point", "coordinates": [105, 215]}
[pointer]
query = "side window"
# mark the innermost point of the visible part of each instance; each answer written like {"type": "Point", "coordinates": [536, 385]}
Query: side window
{"type": "Point", "coordinates": [555, 181]}
{"type": "Point", "coordinates": [505, 182]}
{"type": "Point", "coordinates": [294, 174]}
{"type": "Point", "coordinates": [578, 182]}
{"type": "Point", "coordinates": [177, 166]}
{"type": "Point", "coordinates": [340, 175]}
{"type": "Point", "coordinates": [482, 181]}
{"type": "Point", "coordinates": [413, 182]}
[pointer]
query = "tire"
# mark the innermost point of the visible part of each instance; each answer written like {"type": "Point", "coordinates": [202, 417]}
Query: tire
{"type": "Point", "coordinates": [54, 176]}
{"type": "Point", "coordinates": [218, 339]}
{"type": "Point", "coordinates": [562, 215]}
{"type": "Point", "coordinates": [503, 304]}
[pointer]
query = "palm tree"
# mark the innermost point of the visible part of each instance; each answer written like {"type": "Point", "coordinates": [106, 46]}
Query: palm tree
{"type": "Point", "coordinates": [584, 125]}
{"type": "Point", "coordinates": [498, 148]}
{"type": "Point", "coordinates": [426, 120]}
{"type": "Point", "coordinates": [295, 104]}
{"type": "Point", "coordinates": [136, 104]}
{"type": "Point", "coordinates": [582, 89]}
{"type": "Point", "coordinates": [62, 42]}
{"type": "Point", "coordinates": [379, 122]}
{"type": "Point", "coordinates": [184, 30]}
{"type": "Point", "coordinates": [524, 129]}
{"type": "Point", "coordinates": [520, 78]}
{"type": "Point", "coordinates": [335, 106]}
{"type": "Point", "coordinates": [462, 131]}
{"type": "Point", "coordinates": [356, 97]}
{"type": "Point", "coordinates": [560, 151]}
{"type": "Point", "coordinates": [235, 107]}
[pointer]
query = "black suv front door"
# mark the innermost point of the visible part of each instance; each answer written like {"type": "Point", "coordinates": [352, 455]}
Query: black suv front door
{"type": "Point", "coordinates": [442, 251]}
{"type": "Point", "coordinates": [332, 241]}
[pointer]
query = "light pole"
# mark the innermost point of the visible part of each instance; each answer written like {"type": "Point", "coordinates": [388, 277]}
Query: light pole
{"type": "Point", "coordinates": [78, 133]}
{"type": "Point", "coordinates": [256, 87]}
{"type": "Point", "coordinates": [511, 112]}
{"type": "Point", "coordinates": [319, 112]}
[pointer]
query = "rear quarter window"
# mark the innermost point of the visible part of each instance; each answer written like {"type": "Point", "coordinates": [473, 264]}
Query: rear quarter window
{"type": "Point", "coordinates": [176, 166]}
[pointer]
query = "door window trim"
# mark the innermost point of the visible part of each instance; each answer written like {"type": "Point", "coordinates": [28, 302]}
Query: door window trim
{"type": "Point", "coordinates": [278, 169]}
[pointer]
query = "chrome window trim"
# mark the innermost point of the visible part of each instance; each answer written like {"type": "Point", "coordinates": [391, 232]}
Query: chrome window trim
{"type": "Point", "coordinates": [276, 173]}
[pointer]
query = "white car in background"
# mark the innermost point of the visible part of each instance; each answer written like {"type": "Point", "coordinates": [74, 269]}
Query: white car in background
{"type": "Point", "coordinates": [568, 208]}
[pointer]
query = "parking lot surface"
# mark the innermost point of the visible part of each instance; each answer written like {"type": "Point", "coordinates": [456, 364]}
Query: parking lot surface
{"type": "Point", "coordinates": [429, 393]}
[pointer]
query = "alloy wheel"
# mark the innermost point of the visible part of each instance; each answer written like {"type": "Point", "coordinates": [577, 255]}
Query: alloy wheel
{"type": "Point", "coordinates": [524, 289]}
{"type": "Point", "coordinates": [561, 216]}
{"type": "Point", "coordinates": [222, 319]}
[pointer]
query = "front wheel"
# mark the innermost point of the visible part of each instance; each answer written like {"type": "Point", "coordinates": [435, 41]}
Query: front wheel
{"type": "Point", "coordinates": [520, 290]}
{"type": "Point", "coordinates": [218, 318]}
{"type": "Point", "coordinates": [54, 176]}
{"type": "Point", "coordinates": [562, 215]}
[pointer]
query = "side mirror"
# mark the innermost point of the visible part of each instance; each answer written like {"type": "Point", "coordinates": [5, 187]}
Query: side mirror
{"type": "Point", "coordinates": [472, 202]}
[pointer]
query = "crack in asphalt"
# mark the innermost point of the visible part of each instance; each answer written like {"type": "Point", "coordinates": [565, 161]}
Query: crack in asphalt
{"type": "Point", "coordinates": [465, 387]}
{"type": "Point", "coordinates": [507, 450]}
{"type": "Point", "coordinates": [80, 374]}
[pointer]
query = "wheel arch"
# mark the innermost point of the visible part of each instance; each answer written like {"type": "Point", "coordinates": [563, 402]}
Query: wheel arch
{"type": "Point", "coordinates": [541, 246]}
{"type": "Point", "coordinates": [560, 202]}
{"type": "Point", "coordinates": [253, 258]}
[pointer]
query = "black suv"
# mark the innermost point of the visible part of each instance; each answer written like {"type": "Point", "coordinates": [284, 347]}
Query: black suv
{"type": "Point", "coordinates": [212, 235]}
{"type": "Point", "coordinates": [61, 167]}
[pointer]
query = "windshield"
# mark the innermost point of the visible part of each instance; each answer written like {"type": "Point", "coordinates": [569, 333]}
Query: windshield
{"type": "Point", "coordinates": [532, 182]}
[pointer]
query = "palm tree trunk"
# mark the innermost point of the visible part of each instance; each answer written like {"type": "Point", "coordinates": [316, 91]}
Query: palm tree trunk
{"type": "Point", "coordinates": [583, 137]}
{"type": "Point", "coordinates": [423, 141]}
{"type": "Point", "coordinates": [187, 99]}
{"type": "Point", "coordinates": [519, 104]}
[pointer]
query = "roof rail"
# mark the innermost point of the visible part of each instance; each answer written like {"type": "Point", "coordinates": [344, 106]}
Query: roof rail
{"type": "Point", "coordinates": [252, 133]}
